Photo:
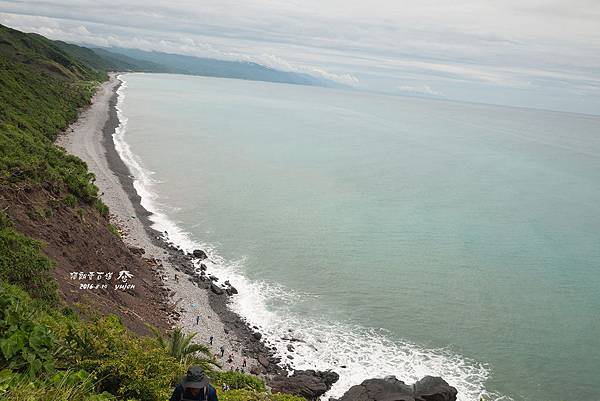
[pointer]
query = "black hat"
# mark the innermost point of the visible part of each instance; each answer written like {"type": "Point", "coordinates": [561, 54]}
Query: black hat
{"type": "Point", "coordinates": [195, 378]}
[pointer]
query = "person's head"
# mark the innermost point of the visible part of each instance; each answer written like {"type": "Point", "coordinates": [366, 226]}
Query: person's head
{"type": "Point", "coordinates": [195, 380]}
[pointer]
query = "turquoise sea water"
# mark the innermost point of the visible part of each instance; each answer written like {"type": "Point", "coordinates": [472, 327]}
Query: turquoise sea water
{"type": "Point", "coordinates": [393, 235]}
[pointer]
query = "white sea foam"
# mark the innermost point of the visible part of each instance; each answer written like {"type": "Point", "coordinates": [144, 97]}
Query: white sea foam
{"type": "Point", "coordinates": [355, 353]}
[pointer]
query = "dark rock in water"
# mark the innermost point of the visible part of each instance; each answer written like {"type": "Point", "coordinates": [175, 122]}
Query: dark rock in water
{"type": "Point", "coordinates": [216, 289]}
{"type": "Point", "coordinates": [257, 335]}
{"type": "Point", "coordinates": [432, 388]}
{"type": "Point", "coordinates": [391, 389]}
{"type": "Point", "coordinates": [290, 357]}
{"type": "Point", "coordinates": [213, 278]}
{"type": "Point", "coordinates": [309, 384]}
{"type": "Point", "coordinates": [290, 348]}
{"type": "Point", "coordinates": [233, 289]}
{"type": "Point", "coordinates": [203, 267]}
{"type": "Point", "coordinates": [200, 254]}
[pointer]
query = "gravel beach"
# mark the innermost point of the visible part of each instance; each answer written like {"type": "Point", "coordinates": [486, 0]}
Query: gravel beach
{"type": "Point", "coordinates": [90, 138]}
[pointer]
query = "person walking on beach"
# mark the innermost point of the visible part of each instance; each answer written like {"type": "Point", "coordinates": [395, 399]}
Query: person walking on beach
{"type": "Point", "coordinates": [244, 363]}
{"type": "Point", "coordinates": [197, 320]}
{"type": "Point", "coordinates": [194, 386]}
{"type": "Point", "coordinates": [222, 351]}
{"type": "Point", "coordinates": [210, 340]}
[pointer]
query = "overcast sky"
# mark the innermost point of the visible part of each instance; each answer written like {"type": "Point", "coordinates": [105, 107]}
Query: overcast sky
{"type": "Point", "coordinates": [532, 53]}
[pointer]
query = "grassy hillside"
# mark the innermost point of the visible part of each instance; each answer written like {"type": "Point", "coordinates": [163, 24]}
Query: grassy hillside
{"type": "Point", "coordinates": [48, 352]}
{"type": "Point", "coordinates": [45, 56]}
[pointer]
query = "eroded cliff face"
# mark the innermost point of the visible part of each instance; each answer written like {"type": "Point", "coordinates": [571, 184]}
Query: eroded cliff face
{"type": "Point", "coordinates": [96, 272]}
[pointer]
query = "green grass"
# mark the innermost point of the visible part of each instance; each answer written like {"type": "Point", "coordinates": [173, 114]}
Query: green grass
{"type": "Point", "coordinates": [22, 263]}
{"type": "Point", "coordinates": [114, 230]}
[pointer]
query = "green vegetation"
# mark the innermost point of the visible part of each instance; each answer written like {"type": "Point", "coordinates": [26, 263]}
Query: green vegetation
{"type": "Point", "coordinates": [238, 381]}
{"type": "Point", "coordinates": [180, 346]}
{"type": "Point", "coordinates": [114, 231]}
{"type": "Point", "coordinates": [45, 354]}
{"type": "Point", "coordinates": [22, 263]}
{"type": "Point", "coordinates": [247, 395]}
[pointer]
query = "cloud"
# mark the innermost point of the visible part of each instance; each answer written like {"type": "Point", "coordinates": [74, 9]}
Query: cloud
{"type": "Point", "coordinates": [485, 44]}
{"type": "Point", "coordinates": [421, 90]}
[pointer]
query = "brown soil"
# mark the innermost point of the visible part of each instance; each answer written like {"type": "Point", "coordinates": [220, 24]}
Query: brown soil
{"type": "Point", "coordinates": [78, 240]}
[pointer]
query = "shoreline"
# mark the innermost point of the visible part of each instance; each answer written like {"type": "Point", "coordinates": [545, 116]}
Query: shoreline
{"type": "Point", "coordinates": [189, 297]}
{"type": "Point", "coordinates": [192, 296]}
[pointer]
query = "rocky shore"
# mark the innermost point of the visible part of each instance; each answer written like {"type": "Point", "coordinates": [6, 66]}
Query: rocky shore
{"type": "Point", "coordinates": [197, 300]}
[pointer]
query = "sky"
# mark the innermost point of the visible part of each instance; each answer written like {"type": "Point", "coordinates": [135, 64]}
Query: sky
{"type": "Point", "coordinates": [525, 53]}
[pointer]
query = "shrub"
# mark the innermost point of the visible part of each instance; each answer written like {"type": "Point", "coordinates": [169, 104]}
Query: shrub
{"type": "Point", "coordinates": [237, 381]}
{"type": "Point", "coordinates": [250, 395]}
{"type": "Point", "coordinates": [114, 230]}
{"type": "Point", "coordinates": [63, 386]}
{"type": "Point", "coordinates": [25, 346]}
{"type": "Point", "coordinates": [71, 200]}
{"type": "Point", "coordinates": [127, 366]}
{"type": "Point", "coordinates": [101, 207]}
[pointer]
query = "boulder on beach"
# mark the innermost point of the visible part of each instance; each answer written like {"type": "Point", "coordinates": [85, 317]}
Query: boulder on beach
{"type": "Point", "coordinates": [216, 289]}
{"type": "Point", "coordinates": [137, 250]}
{"type": "Point", "coordinates": [263, 360]}
{"type": "Point", "coordinates": [200, 254]}
{"type": "Point", "coordinates": [309, 384]}
{"type": "Point", "coordinates": [427, 389]}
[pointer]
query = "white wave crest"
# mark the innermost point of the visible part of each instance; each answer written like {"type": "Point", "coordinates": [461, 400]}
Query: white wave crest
{"type": "Point", "coordinates": [356, 353]}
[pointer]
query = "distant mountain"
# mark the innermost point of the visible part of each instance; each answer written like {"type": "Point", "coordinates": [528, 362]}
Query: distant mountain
{"type": "Point", "coordinates": [72, 61]}
{"type": "Point", "coordinates": [180, 64]}
{"type": "Point", "coordinates": [109, 61]}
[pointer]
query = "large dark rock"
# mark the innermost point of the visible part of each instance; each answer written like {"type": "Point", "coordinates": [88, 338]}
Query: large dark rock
{"type": "Point", "coordinates": [391, 389]}
{"type": "Point", "coordinates": [137, 251]}
{"type": "Point", "coordinates": [200, 254]}
{"type": "Point", "coordinates": [309, 384]}
{"type": "Point", "coordinates": [263, 360]}
{"type": "Point", "coordinates": [216, 289]}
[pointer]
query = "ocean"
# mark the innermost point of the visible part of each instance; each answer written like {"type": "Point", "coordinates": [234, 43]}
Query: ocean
{"type": "Point", "coordinates": [387, 235]}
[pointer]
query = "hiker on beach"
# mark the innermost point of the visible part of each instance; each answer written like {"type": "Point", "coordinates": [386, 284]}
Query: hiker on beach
{"type": "Point", "coordinates": [222, 351]}
{"type": "Point", "coordinates": [197, 319]}
{"type": "Point", "coordinates": [210, 340]}
{"type": "Point", "coordinates": [194, 387]}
